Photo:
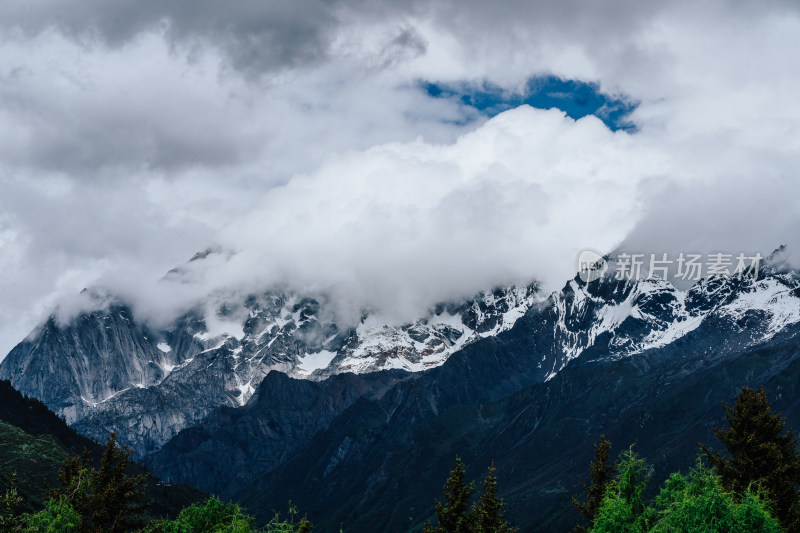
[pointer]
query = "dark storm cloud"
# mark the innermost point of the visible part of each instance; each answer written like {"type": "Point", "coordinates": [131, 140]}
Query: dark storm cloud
{"type": "Point", "coordinates": [262, 36]}
{"type": "Point", "coordinates": [256, 35]}
{"type": "Point", "coordinates": [114, 116]}
{"type": "Point", "coordinates": [407, 45]}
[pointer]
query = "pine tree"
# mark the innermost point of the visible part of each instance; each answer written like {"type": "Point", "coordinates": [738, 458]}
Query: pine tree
{"type": "Point", "coordinates": [117, 496]}
{"type": "Point", "coordinates": [623, 507]}
{"type": "Point", "coordinates": [488, 511]}
{"type": "Point", "coordinates": [9, 503]}
{"type": "Point", "coordinates": [454, 515]}
{"type": "Point", "coordinates": [761, 454]}
{"type": "Point", "coordinates": [108, 499]}
{"type": "Point", "coordinates": [601, 472]}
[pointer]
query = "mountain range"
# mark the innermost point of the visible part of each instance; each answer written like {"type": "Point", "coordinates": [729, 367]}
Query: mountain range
{"type": "Point", "coordinates": [268, 398]}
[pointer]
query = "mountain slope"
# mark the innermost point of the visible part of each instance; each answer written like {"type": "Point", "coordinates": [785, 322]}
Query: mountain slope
{"type": "Point", "coordinates": [245, 397]}
{"type": "Point", "coordinates": [378, 472]}
{"type": "Point", "coordinates": [480, 395]}
{"type": "Point", "coordinates": [34, 443]}
{"type": "Point", "coordinates": [223, 452]}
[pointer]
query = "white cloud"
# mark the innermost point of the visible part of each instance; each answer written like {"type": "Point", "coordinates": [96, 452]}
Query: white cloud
{"type": "Point", "coordinates": [126, 147]}
{"type": "Point", "coordinates": [404, 225]}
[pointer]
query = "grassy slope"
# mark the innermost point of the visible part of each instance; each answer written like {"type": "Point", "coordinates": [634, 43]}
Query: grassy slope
{"type": "Point", "coordinates": [33, 458]}
{"type": "Point", "coordinates": [34, 443]}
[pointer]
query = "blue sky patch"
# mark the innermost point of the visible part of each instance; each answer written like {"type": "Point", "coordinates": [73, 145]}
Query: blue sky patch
{"type": "Point", "coordinates": [576, 98]}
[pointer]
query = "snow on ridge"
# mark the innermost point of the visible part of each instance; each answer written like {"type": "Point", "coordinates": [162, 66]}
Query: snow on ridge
{"type": "Point", "coordinates": [104, 400]}
{"type": "Point", "coordinates": [374, 344]}
{"type": "Point", "coordinates": [582, 317]}
{"type": "Point", "coordinates": [246, 390]}
{"type": "Point", "coordinates": [659, 313]}
{"type": "Point", "coordinates": [610, 316]}
{"type": "Point", "coordinates": [314, 361]}
{"type": "Point", "coordinates": [381, 346]}
{"type": "Point", "coordinates": [772, 296]}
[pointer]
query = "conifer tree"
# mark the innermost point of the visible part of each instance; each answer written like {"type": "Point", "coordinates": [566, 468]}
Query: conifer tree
{"type": "Point", "coordinates": [488, 511]}
{"type": "Point", "coordinates": [761, 454]}
{"type": "Point", "coordinates": [454, 515]}
{"type": "Point", "coordinates": [623, 507]}
{"type": "Point", "coordinates": [107, 499]}
{"type": "Point", "coordinates": [601, 472]}
{"type": "Point", "coordinates": [8, 507]}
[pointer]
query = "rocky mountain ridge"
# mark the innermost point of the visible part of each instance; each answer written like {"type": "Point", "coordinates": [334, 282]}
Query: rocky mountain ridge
{"type": "Point", "coordinates": [104, 371]}
{"type": "Point", "coordinates": [584, 323]}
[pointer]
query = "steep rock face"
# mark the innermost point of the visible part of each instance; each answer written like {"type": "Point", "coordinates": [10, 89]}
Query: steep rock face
{"type": "Point", "coordinates": [105, 372]}
{"type": "Point", "coordinates": [75, 367]}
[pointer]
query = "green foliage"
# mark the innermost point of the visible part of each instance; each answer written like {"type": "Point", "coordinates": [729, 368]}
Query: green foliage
{"type": "Point", "coordinates": [623, 508]}
{"type": "Point", "coordinates": [212, 516]}
{"type": "Point", "coordinates": [35, 443]}
{"type": "Point", "coordinates": [276, 525]}
{"type": "Point", "coordinates": [32, 459]}
{"type": "Point", "coordinates": [601, 472]}
{"type": "Point", "coordinates": [58, 516]}
{"type": "Point", "coordinates": [215, 516]}
{"type": "Point", "coordinates": [8, 507]}
{"type": "Point", "coordinates": [699, 503]}
{"type": "Point", "coordinates": [695, 503]}
{"type": "Point", "coordinates": [108, 499]}
{"type": "Point", "coordinates": [760, 454]}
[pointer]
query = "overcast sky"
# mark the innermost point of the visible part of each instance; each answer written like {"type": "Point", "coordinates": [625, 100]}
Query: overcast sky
{"type": "Point", "coordinates": [297, 138]}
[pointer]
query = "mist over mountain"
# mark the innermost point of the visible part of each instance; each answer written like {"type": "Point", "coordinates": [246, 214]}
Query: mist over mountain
{"type": "Point", "coordinates": [312, 152]}
{"type": "Point", "coordinates": [271, 392]}
{"type": "Point", "coordinates": [315, 250]}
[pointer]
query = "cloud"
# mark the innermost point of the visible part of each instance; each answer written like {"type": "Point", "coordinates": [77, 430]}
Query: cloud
{"type": "Point", "coordinates": [402, 226]}
{"type": "Point", "coordinates": [253, 35]}
{"type": "Point", "coordinates": [116, 164]}
{"type": "Point", "coordinates": [296, 137]}
{"type": "Point", "coordinates": [99, 112]}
